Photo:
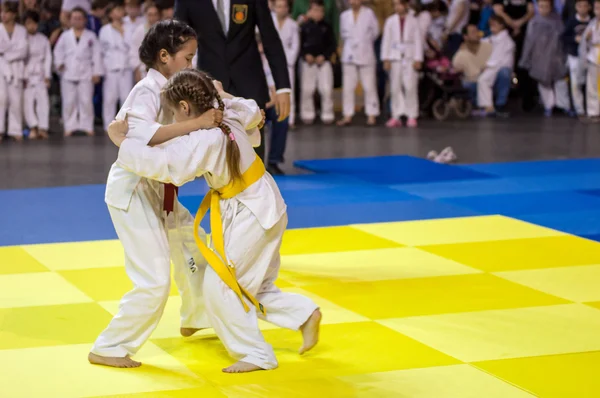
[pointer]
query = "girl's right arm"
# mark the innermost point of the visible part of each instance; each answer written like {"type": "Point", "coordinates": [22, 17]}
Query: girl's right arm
{"type": "Point", "coordinates": [207, 120]}
{"type": "Point", "coordinates": [143, 127]}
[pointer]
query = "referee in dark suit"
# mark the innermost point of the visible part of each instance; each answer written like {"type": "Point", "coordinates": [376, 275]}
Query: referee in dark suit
{"type": "Point", "coordinates": [227, 49]}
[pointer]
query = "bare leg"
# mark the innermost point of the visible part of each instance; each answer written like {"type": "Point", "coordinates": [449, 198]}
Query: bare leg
{"type": "Point", "coordinates": [115, 362]}
{"type": "Point", "coordinates": [310, 331]}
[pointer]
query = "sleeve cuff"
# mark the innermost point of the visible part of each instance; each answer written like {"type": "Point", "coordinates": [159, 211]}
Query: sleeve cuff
{"type": "Point", "coordinates": [284, 91]}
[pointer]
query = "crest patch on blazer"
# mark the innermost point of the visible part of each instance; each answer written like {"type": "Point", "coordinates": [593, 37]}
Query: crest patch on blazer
{"type": "Point", "coordinates": [240, 13]}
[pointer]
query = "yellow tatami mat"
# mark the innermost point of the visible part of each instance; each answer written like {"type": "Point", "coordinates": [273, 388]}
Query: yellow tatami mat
{"type": "Point", "coordinates": [479, 307]}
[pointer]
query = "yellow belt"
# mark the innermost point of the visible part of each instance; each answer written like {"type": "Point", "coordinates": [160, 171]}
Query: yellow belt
{"type": "Point", "coordinates": [219, 263]}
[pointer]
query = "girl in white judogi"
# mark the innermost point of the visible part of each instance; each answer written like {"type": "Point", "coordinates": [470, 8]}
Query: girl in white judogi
{"type": "Point", "coordinates": [590, 51]}
{"type": "Point", "coordinates": [38, 72]}
{"type": "Point", "coordinates": [248, 219]}
{"type": "Point", "coordinates": [13, 51]}
{"type": "Point", "coordinates": [78, 59]}
{"type": "Point", "coordinates": [153, 226]}
{"type": "Point", "coordinates": [118, 74]}
{"type": "Point", "coordinates": [152, 14]}
{"type": "Point", "coordinates": [289, 34]}
{"type": "Point", "coordinates": [402, 56]}
{"type": "Point", "coordinates": [359, 29]}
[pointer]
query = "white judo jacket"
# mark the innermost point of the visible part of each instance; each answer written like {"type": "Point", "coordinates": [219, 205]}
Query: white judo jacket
{"type": "Point", "coordinates": [202, 153]}
{"type": "Point", "coordinates": [359, 36]}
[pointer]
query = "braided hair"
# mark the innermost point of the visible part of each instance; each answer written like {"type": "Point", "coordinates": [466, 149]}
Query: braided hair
{"type": "Point", "coordinates": [197, 89]}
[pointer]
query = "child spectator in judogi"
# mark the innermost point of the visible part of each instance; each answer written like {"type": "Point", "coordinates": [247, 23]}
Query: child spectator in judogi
{"type": "Point", "coordinates": [402, 56]}
{"type": "Point", "coordinates": [135, 17]}
{"type": "Point", "coordinates": [545, 59]}
{"type": "Point", "coordinates": [118, 75]}
{"type": "Point", "coordinates": [152, 14]}
{"type": "Point", "coordinates": [359, 29]}
{"type": "Point", "coordinates": [78, 59]}
{"type": "Point", "coordinates": [317, 49]}
{"type": "Point", "coordinates": [572, 37]}
{"type": "Point", "coordinates": [289, 34]}
{"type": "Point", "coordinates": [590, 54]}
{"type": "Point", "coordinates": [38, 72]}
{"type": "Point", "coordinates": [13, 51]}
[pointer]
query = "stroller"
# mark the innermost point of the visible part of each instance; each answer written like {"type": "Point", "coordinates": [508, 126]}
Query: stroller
{"type": "Point", "coordinates": [441, 89]}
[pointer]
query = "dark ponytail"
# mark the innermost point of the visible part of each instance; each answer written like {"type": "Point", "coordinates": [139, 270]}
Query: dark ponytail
{"type": "Point", "coordinates": [169, 35]}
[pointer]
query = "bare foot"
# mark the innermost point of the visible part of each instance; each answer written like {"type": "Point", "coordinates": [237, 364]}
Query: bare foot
{"type": "Point", "coordinates": [33, 134]}
{"type": "Point", "coordinates": [242, 367]}
{"type": "Point", "coordinates": [344, 121]}
{"type": "Point", "coordinates": [187, 332]}
{"type": "Point", "coordinates": [43, 134]}
{"type": "Point", "coordinates": [68, 133]}
{"type": "Point", "coordinates": [371, 121]}
{"type": "Point", "coordinates": [310, 331]}
{"type": "Point", "coordinates": [90, 133]}
{"type": "Point", "coordinates": [115, 362]}
{"type": "Point", "coordinates": [17, 138]}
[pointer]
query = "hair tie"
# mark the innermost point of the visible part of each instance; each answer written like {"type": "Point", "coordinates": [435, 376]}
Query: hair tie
{"type": "Point", "coordinates": [231, 137]}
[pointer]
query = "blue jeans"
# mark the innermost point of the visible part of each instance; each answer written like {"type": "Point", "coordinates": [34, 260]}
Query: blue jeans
{"type": "Point", "coordinates": [279, 131]}
{"type": "Point", "coordinates": [501, 88]}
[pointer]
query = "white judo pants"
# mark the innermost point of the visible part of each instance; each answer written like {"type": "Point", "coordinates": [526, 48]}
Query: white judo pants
{"type": "Point", "coordinates": [77, 106]}
{"type": "Point", "coordinates": [351, 74]}
{"type": "Point", "coordinates": [11, 103]}
{"type": "Point", "coordinates": [292, 74]}
{"type": "Point", "coordinates": [576, 84]}
{"type": "Point", "coordinates": [556, 95]}
{"type": "Point", "coordinates": [485, 87]}
{"type": "Point", "coordinates": [255, 253]}
{"type": "Point", "coordinates": [592, 90]}
{"type": "Point", "coordinates": [115, 89]}
{"type": "Point", "coordinates": [404, 82]}
{"type": "Point", "coordinates": [313, 77]}
{"type": "Point", "coordinates": [37, 105]}
{"type": "Point", "coordinates": [149, 237]}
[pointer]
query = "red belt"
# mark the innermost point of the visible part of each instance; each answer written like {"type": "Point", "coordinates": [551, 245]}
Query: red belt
{"type": "Point", "coordinates": [171, 192]}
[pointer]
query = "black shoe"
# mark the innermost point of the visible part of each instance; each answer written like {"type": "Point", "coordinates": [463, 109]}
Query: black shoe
{"type": "Point", "coordinates": [274, 169]}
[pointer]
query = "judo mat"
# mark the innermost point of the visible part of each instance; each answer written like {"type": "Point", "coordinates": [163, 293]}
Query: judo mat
{"type": "Point", "coordinates": [438, 287]}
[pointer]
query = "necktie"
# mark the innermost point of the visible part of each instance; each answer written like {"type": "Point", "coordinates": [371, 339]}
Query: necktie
{"type": "Point", "coordinates": [221, 14]}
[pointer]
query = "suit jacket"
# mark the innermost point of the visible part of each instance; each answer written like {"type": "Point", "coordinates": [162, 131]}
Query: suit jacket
{"type": "Point", "coordinates": [234, 59]}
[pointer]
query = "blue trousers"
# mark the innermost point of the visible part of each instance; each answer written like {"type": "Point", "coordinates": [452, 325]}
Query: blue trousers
{"type": "Point", "coordinates": [501, 88]}
{"type": "Point", "coordinates": [279, 132]}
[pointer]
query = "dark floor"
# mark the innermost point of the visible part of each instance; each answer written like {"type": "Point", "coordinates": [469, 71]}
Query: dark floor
{"type": "Point", "coordinates": [84, 160]}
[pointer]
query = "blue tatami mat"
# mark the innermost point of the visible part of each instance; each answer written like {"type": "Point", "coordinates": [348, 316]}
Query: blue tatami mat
{"type": "Point", "coordinates": [538, 168]}
{"type": "Point", "coordinates": [570, 221]}
{"type": "Point", "coordinates": [528, 203]}
{"type": "Point", "coordinates": [389, 170]}
{"type": "Point", "coordinates": [63, 214]}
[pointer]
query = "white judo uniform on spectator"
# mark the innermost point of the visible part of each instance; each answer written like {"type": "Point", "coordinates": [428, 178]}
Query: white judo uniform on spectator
{"type": "Point", "coordinates": [149, 237]}
{"type": "Point", "coordinates": [81, 59]}
{"type": "Point", "coordinates": [402, 46]}
{"type": "Point", "coordinates": [118, 72]}
{"type": "Point", "coordinates": [38, 70]}
{"type": "Point", "coordinates": [13, 51]}
{"type": "Point", "coordinates": [358, 59]}
{"type": "Point", "coordinates": [253, 225]}
{"type": "Point", "coordinates": [290, 38]}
